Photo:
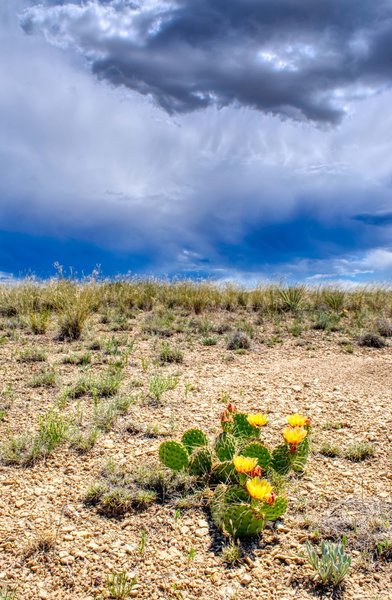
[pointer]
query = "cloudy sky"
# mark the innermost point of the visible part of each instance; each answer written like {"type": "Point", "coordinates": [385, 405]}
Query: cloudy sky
{"type": "Point", "coordinates": [234, 139]}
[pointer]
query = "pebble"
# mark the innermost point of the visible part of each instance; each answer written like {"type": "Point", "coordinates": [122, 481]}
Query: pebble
{"type": "Point", "coordinates": [246, 579]}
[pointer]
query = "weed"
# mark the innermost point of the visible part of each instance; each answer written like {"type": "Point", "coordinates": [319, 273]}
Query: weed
{"type": "Point", "coordinates": [39, 321]}
{"type": "Point", "coordinates": [371, 340]}
{"type": "Point", "coordinates": [95, 345]}
{"type": "Point", "coordinates": [384, 327]}
{"type": "Point", "coordinates": [158, 385]}
{"type": "Point", "coordinates": [231, 553]}
{"type": "Point", "coordinates": [238, 340]}
{"type": "Point", "coordinates": [83, 441]}
{"type": "Point", "coordinates": [209, 341]}
{"type": "Point", "coordinates": [82, 360]}
{"type": "Point", "coordinates": [120, 585]}
{"type": "Point", "coordinates": [143, 541]}
{"type": "Point", "coordinates": [333, 564]}
{"type": "Point", "coordinates": [170, 355]}
{"type": "Point", "coordinates": [333, 425]}
{"type": "Point", "coordinates": [45, 378]}
{"type": "Point", "coordinates": [7, 594]}
{"type": "Point", "coordinates": [330, 450]}
{"type": "Point", "coordinates": [191, 554]}
{"type": "Point", "coordinates": [359, 452]}
{"type": "Point", "coordinates": [33, 354]}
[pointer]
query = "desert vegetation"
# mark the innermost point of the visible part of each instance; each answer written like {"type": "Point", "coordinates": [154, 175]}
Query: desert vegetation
{"type": "Point", "coordinates": [189, 440]}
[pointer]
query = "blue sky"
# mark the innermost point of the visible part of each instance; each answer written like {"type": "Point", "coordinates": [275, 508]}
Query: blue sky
{"type": "Point", "coordinates": [234, 139]}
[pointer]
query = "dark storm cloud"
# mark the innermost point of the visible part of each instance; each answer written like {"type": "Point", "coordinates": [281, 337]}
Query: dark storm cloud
{"type": "Point", "coordinates": [294, 58]}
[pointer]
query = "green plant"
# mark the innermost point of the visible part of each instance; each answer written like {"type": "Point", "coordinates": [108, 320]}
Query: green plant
{"type": "Point", "coordinates": [120, 585]}
{"type": "Point", "coordinates": [83, 441]}
{"type": "Point", "coordinates": [209, 341]}
{"type": "Point", "coordinates": [192, 552]}
{"type": "Point", "coordinates": [143, 541]}
{"type": "Point", "coordinates": [333, 564]}
{"type": "Point", "coordinates": [231, 554]}
{"type": "Point", "coordinates": [7, 594]}
{"type": "Point", "coordinates": [328, 449]}
{"type": "Point", "coordinates": [242, 503]}
{"type": "Point", "coordinates": [359, 452]}
{"type": "Point", "coordinates": [32, 355]}
{"type": "Point", "coordinates": [159, 384]}
{"type": "Point", "coordinates": [170, 355]}
{"type": "Point", "coordinates": [238, 341]}
{"type": "Point", "coordinates": [292, 298]}
{"type": "Point", "coordinates": [45, 378]}
{"type": "Point", "coordinates": [82, 360]}
{"type": "Point", "coordinates": [39, 321]}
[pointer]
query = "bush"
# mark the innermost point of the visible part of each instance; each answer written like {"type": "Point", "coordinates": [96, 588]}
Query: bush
{"type": "Point", "coordinates": [371, 340]}
{"type": "Point", "coordinates": [170, 355]}
{"type": "Point", "coordinates": [384, 327]}
{"type": "Point", "coordinates": [238, 340]}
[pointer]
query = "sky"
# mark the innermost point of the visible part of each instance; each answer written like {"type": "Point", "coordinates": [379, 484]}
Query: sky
{"type": "Point", "coordinates": [241, 140]}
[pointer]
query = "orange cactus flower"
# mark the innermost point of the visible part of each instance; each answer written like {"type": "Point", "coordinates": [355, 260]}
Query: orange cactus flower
{"type": "Point", "coordinates": [244, 464]}
{"type": "Point", "coordinates": [257, 420]}
{"type": "Point", "coordinates": [260, 489]}
{"type": "Point", "coordinates": [231, 407]}
{"type": "Point", "coordinates": [226, 417]}
{"type": "Point", "coordinates": [297, 420]}
{"type": "Point", "coordinates": [294, 435]}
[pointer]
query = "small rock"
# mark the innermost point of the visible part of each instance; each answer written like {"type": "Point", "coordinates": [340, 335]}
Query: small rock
{"type": "Point", "coordinates": [246, 579]}
{"type": "Point", "coordinates": [202, 531]}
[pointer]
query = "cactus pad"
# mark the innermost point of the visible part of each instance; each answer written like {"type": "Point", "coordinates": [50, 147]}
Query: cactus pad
{"type": "Point", "coordinates": [200, 462]}
{"type": "Point", "coordinates": [224, 472]}
{"type": "Point", "coordinates": [240, 520]}
{"type": "Point", "coordinates": [281, 459]}
{"type": "Point", "coordinates": [298, 459]}
{"type": "Point", "coordinates": [271, 512]}
{"type": "Point", "coordinates": [225, 446]}
{"type": "Point", "coordinates": [174, 455]}
{"type": "Point", "coordinates": [257, 450]}
{"type": "Point", "coordinates": [194, 438]}
{"type": "Point", "coordinates": [241, 427]}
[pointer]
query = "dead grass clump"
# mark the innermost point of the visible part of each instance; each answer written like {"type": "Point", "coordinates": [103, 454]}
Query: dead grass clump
{"type": "Point", "coordinates": [384, 327]}
{"type": "Point", "coordinates": [238, 341]}
{"type": "Point", "coordinates": [371, 340]}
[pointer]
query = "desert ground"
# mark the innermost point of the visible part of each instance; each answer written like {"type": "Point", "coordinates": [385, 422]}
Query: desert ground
{"type": "Point", "coordinates": [57, 543]}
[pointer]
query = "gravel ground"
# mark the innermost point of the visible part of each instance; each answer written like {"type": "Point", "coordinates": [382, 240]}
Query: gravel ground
{"type": "Point", "coordinates": [182, 555]}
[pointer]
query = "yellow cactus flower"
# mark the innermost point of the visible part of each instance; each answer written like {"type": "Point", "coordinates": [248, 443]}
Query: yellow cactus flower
{"type": "Point", "coordinates": [294, 435]}
{"type": "Point", "coordinates": [244, 464]}
{"type": "Point", "coordinates": [298, 420]}
{"type": "Point", "coordinates": [257, 420]}
{"type": "Point", "coordinates": [260, 489]}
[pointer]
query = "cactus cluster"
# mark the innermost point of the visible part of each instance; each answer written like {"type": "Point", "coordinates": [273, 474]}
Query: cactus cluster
{"type": "Point", "coordinates": [242, 502]}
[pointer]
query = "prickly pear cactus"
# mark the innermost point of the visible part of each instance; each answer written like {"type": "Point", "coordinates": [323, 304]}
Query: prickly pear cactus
{"type": "Point", "coordinates": [284, 459]}
{"type": "Point", "coordinates": [225, 446]}
{"type": "Point", "coordinates": [194, 438]}
{"type": "Point", "coordinates": [259, 451]}
{"type": "Point", "coordinates": [299, 458]}
{"type": "Point", "coordinates": [241, 427]}
{"type": "Point", "coordinates": [222, 497]}
{"type": "Point", "coordinates": [271, 512]}
{"type": "Point", "coordinates": [200, 462]}
{"type": "Point", "coordinates": [241, 520]}
{"type": "Point", "coordinates": [281, 460]}
{"type": "Point", "coordinates": [174, 455]}
{"type": "Point", "coordinates": [224, 472]}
